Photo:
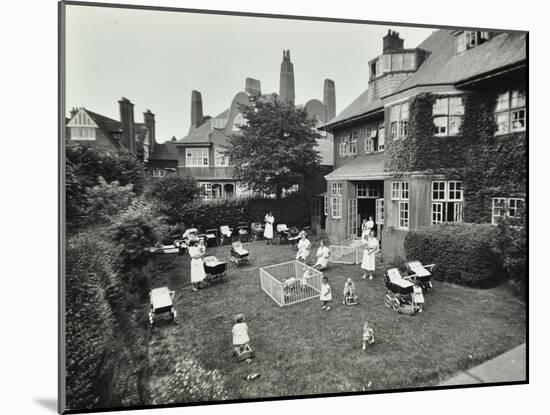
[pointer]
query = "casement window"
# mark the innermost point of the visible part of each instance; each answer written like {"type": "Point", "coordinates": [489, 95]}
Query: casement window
{"type": "Point", "coordinates": [510, 112]}
{"type": "Point", "coordinates": [393, 62]}
{"type": "Point", "coordinates": [399, 120]}
{"type": "Point", "coordinates": [196, 157]}
{"type": "Point", "coordinates": [446, 201]}
{"type": "Point", "coordinates": [400, 194]}
{"type": "Point", "coordinates": [157, 173]}
{"type": "Point", "coordinates": [220, 159]}
{"type": "Point", "coordinates": [469, 39]}
{"type": "Point", "coordinates": [503, 207]}
{"type": "Point", "coordinates": [374, 139]}
{"type": "Point", "coordinates": [381, 137]}
{"type": "Point", "coordinates": [380, 211]}
{"type": "Point", "coordinates": [205, 189]}
{"type": "Point", "coordinates": [239, 122]}
{"type": "Point", "coordinates": [397, 62]}
{"type": "Point", "coordinates": [367, 191]}
{"type": "Point", "coordinates": [351, 230]}
{"type": "Point", "coordinates": [447, 115]}
{"type": "Point", "coordinates": [83, 133]}
{"type": "Point", "coordinates": [336, 199]}
{"type": "Point", "coordinates": [348, 145]}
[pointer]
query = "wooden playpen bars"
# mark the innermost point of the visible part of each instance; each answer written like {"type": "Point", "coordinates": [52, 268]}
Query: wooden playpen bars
{"type": "Point", "coordinates": [348, 251]}
{"type": "Point", "coordinates": [290, 282]}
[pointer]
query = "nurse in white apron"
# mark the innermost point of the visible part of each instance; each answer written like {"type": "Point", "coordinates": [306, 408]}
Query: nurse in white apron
{"type": "Point", "coordinates": [196, 252]}
{"type": "Point", "coordinates": [268, 232]}
{"type": "Point", "coordinates": [369, 255]}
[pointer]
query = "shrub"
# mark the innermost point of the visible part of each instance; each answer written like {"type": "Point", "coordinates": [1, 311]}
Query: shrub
{"type": "Point", "coordinates": [462, 253]}
{"type": "Point", "coordinates": [511, 245]}
{"type": "Point", "coordinates": [291, 210]}
{"type": "Point", "coordinates": [106, 200]}
{"type": "Point", "coordinates": [172, 192]}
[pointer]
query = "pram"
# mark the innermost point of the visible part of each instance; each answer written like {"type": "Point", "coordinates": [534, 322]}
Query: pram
{"type": "Point", "coordinates": [225, 233]}
{"type": "Point", "coordinates": [421, 274]}
{"type": "Point", "coordinates": [164, 249]}
{"type": "Point", "coordinates": [399, 290]}
{"type": "Point", "coordinates": [239, 255]}
{"type": "Point", "coordinates": [242, 230]}
{"type": "Point", "coordinates": [161, 302]}
{"type": "Point", "coordinates": [294, 236]}
{"type": "Point", "coordinates": [282, 232]}
{"type": "Point", "coordinates": [257, 230]}
{"type": "Point", "coordinates": [211, 237]}
{"type": "Point", "coordinates": [215, 269]}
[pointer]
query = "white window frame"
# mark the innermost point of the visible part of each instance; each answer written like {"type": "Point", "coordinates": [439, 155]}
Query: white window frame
{"type": "Point", "coordinates": [379, 205]}
{"type": "Point", "coordinates": [336, 188]}
{"type": "Point", "coordinates": [403, 214]}
{"type": "Point", "coordinates": [443, 193]}
{"type": "Point", "coordinates": [336, 207]}
{"type": "Point", "coordinates": [239, 122]}
{"type": "Point", "coordinates": [448, 115]}
{"type": "Point", "coordinates": [220, 160]}
{"type": "Point", "coordinates": [399, 127]}
{"type": "Point", "coordinates": [505, 208]}
{"type": "Point", "coordinates": [507, 105]}
{"type": "Point", "coordinates": [207, 192]}
{"type": "Point", "coordinates": [197, 157]}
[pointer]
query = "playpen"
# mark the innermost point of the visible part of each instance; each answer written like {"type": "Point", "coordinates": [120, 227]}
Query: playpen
{"type": "Point", "coordinates": [348, 251]}
{"type": "Point", "coordinates": [290, 282]}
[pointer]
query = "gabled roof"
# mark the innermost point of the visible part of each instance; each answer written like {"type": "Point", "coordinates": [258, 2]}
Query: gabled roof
{"type": "Point", "coordinates": [205, 134]}
{"type": "Point", "coordinates": [445, 66]}
{"type": "Point", "coordinates": [363, 104]}
{"type": "Point", "coordinates": [106, 125]}
{"type": "Point", "coordinates": [368, 166]}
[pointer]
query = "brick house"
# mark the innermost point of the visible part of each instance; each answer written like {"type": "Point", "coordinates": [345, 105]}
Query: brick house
{"type": "Point", "coordinates": [438, 136]}
{"type": "Point", "coordinates": [200, 151]}
{"type": "Point", "coordinates": [90, 128]}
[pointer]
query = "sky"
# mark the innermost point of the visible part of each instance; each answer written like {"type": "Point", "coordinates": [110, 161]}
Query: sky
{"type": "Point", "coordinates": [156, 58]}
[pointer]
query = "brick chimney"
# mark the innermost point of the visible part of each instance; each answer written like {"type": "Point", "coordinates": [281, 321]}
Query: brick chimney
{"type": "Point", "coordinates": [128, 139]}
{"type": "Point", "coordinates": [149, 121]}
{"type": "Point", "coordinates": [286, 86]}
{"type": "Point", "coordinates": [74, 111]}
{"type": "Point", "coordinates": [392, 42]}
{"type": "Point", "coordinates": [329, 98]}
{"type": "Point", "coordinates": [253, 87]}
{"type": "Point", "coordinates": [196, 110]}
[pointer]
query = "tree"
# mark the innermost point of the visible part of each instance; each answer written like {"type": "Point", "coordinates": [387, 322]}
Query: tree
{"type": "Point", "coordinates": [105, 200]}
{"type": "Point", "coordinates": [171, 193]}
{"type": "Point", "coordinates": [276, 148]}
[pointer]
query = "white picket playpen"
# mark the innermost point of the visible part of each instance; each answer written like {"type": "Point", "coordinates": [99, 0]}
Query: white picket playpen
{"type": "Point", "coordinates": [290, 282]}
{"type": "Point", "coordinates": [348, 251]}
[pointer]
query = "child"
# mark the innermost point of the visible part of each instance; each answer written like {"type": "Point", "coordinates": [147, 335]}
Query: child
{"type": "Point", "coordinates": [240, 332]}
{"type": "Point", "coordinates": [418, 297]}
{"type": "Point", "coordinates": [326, 294]}
{"type": "Point", "coordinates": [368, 335]}
{"type": "Point", "coordinates": [305, 276]}
{"type": "Point", "coordinates": [349, 290]}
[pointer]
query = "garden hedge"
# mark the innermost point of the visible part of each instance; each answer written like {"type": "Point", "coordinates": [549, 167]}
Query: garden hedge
{"type": "Point", "coordinates": [293, 210]}
{"type": "Point", "coordinates": [463, 253]}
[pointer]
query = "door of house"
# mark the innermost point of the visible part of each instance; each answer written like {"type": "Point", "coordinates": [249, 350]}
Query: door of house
{"type": "Point", "coordinates": [351, 230]}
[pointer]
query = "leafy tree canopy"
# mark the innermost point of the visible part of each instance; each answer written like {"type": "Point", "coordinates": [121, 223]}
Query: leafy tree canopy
{"type": "Point", "coordinates": [276, 149]}
{"type": "Point", "coordinates": [171, 193]}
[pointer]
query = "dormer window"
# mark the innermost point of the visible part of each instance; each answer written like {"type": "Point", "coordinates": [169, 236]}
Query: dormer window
{"type": "Point", "coordinates": [393, 62]}
{"type": "Point", "coordinates": [239, 122]}
{"type": "Point", "coordinates": [469, 39]}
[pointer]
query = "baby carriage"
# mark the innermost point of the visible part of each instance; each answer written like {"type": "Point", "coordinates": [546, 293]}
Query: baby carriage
{"type": "Point", "coordinates": [399, 291]}
{"type": "Point", "coordinates": [215, 269]}
{"type": "Point", "coordinates": [211, 237]}
{"type": "Point", "coordinates": [242, 230]}
{"type": "Point", "coordinates": [225, 233]}
{"type": "Point", "coordinates": [257, 230]}
{"type": "Point", "coordinates": [161, 303]}
{"type": "Point", "coordinates": [283, 232]}
{"type": "Point", "coordinates": [239, 255]}
{"type": "Point", "coordinates": [421, 274]}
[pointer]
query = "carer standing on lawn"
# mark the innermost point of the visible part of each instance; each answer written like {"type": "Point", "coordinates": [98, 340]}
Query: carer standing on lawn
{"type": "Point", "coordinates": [369, 255]}
{"type": "Point", "coordinates": [268, 232]}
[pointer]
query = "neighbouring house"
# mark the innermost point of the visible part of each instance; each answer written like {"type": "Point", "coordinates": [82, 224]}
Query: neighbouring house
{"type": "Point", "coordinates": [201, 150]}
{"type": "Point", "coordinates": [90, 128]}
{"type": "Point", "coordinates": [439, 136]}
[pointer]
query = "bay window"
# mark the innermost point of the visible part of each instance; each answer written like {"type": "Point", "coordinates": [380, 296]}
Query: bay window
{"type": "Point", "coordinates": [196, 157]}
{"type": "Point", "coordinates": [400, 195]}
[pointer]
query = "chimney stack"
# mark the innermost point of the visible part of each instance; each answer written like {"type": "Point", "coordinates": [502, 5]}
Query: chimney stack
{"type": "Point", "coordinates": [196, 110]}
{"type": "Point", "coordinates": [149, 121]}
{"type": "Point", "coordinates": [253, 87]}
{"type": "Point", "coordinates": [392, 42]}
{"type": "Point", "coordinates": [329, 98]}
{"type": "Point", "coordinates": [74, 111]}
{"type": "Point", "coordinates": [286, 86]}
{"type": "Point", "coordinates": [128, 140]}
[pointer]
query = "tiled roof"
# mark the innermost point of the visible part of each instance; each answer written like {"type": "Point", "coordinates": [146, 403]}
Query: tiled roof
{"type": "Point", "coordinates": [164, 151]}
{"type": "Point", "coordinates": [363, 104]}
{"type": "Point", "coordinates": [444, 66]}
{"type": "Point", "coordinates": [368, 166]}
{"type": "Point", "coordinates": [204, 133]}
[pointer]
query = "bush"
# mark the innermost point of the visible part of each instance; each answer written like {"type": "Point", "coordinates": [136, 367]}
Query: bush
{"type": "Point", "coordinates": [511, 245]}
{"type": "Point", "coordinates": [106, 200]}
{"type": "Point", "coordinates": [291, 210]}
{"type": "Point", "coordinates": [462, 253]}
{"type": "Point", "coordinates": [172, 192]}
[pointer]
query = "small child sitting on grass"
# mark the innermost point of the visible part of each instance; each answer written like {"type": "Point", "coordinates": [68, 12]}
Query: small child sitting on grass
{"type": "Point", "coordinates": [368, 335]}
{"type": "Point", "coordinates": [326, 294]}
{"type": "Point", "coordinates": [240, 333]}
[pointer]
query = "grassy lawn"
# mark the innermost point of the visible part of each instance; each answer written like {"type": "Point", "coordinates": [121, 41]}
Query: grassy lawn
{"type": "Point", "coordinates": [301, 349]}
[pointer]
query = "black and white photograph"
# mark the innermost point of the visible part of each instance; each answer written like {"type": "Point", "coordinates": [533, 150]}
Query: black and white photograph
{"type": "Point", "coordinates": [268, 207]}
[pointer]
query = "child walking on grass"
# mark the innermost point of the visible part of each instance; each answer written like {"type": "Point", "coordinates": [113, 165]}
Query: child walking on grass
{"type": "Point", "coordinates": [326, 294]}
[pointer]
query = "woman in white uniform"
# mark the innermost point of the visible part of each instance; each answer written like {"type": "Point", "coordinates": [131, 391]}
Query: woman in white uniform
{"type": "Point", "coordinates": [304, 248]}
{"type": "Point", "coordinates": [196, 252]}
{"type": "Point", "coordinates": [323, 254]}
{"type": "Point", "coordinates": [268, 232]}
{"type": "Point", "coordinates": [369, 255]}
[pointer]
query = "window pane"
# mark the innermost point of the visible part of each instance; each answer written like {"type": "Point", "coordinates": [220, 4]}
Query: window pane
{"type": "Point", "coordinates": [502, 122]}
{"type": "Point", "coordinates": [454, 125]}
{"type": "Point", "coordinates": [405, 190]}
{"type": "Point", "coordinates": [437, 213]}
{"type": "Point", "coordinates": [460, 43]}
{"type": "Point", "coordinates": [455, 190]}
{"type": "Point", "coordinates": [397, 62]}
{"type": "Point", "coordinates": [438, 190]}
{"type": "Point", "coordinates": [409, 61]}
{"type": "Point", "coordinates": [403, 214]}
{"type": "Point", "coordinates": [518, 99]}
{"type": "Point", "coordinates": [502, 102]}
{"type": "Point", "coordinates": [386, 63]}
{"type": "Point", "coordinates": [394, 113]}
{"type": "Point", "coordinates": [395, 190]}
{"type": "Point", "coordinates": [456, 106]}
{"type": "Point", "coordinates": [440, 125]}
{"type": "Point", "coordinates": [441, 106]}
{"type": "Point", "coordinates": [518, 120]}
{"type": "Point", "coordinates": [405, 111]}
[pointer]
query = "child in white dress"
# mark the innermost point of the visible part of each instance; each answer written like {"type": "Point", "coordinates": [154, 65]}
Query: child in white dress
{"type": "Point", "coordinates": [326, 294]}
{"type": "Point", "coordinates": [368, 335]}
{"type": "Point", "coordinates": [349, 290]}
{"type": "Point", "coordinates": [304, 248]}
{"type": "Point", "coordinates": [240, 331]}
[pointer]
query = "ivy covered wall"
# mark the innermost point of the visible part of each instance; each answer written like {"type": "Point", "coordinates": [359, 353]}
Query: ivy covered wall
{"type": "Point", "coordinates": [489, 165]}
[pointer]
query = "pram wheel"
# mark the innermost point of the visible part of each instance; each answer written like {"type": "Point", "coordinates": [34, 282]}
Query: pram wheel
{"type": "Point", "coordinates": [396, 305]}
{"type": "Point", "coordinates": [388, 300]}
